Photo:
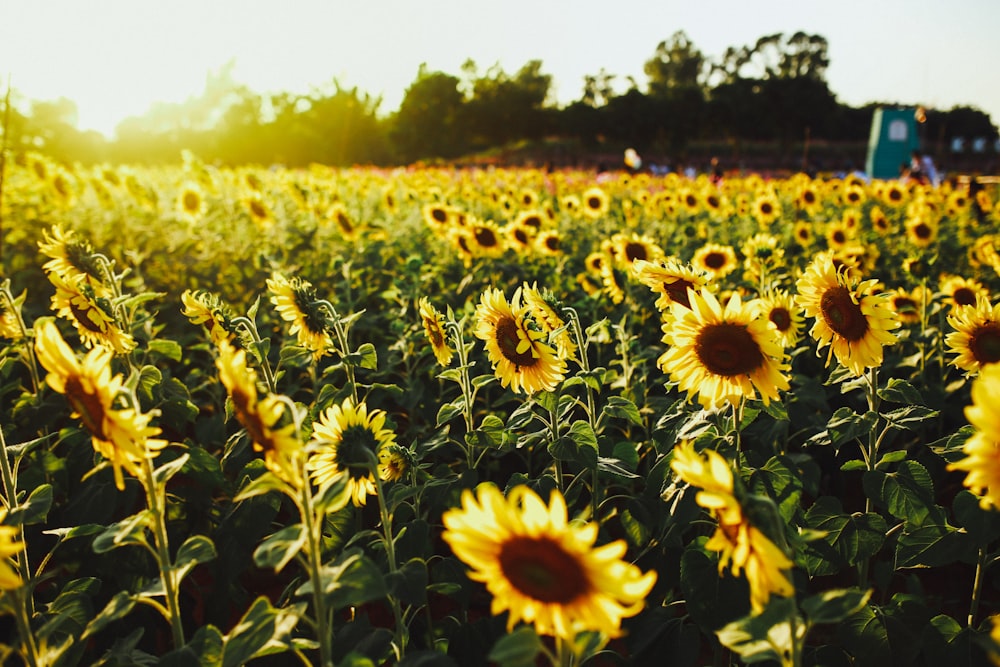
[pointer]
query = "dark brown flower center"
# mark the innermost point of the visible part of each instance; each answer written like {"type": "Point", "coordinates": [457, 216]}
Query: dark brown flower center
{"type": "Point", "coordinates": [922, 231]}
{"type": "Point", "coordinates": [507, 340]}
{"type": "Point", "coordinates": [344, 222]}
{"type": "Point", "coordinates": [439, 215]}
{"type": "Point", "coordinates": [485, 237]}
{"type": "Point", "coordinates": [87, 406]}
{"type": "Point", "coordinates": [715, 260]}
{"type": "Point", "coordinates": [766, 208]}
{"type": "Point", "coordinates": [678, 291]}
{"type": "Point", "coordinates": [83, 317]}
{"type": "Point", "coordinates": [539, 568]}
{"type": "Point", "coordinates": [521, 236]}
{"type": "Point", "coordinates": [842, 314]}
{"type": "Point", "coordinates": [594, 203]}
{"type": "Point", "coordinates": [964, 296]}
{"type": "Point", "coordinates": [258, 209]}
{"type": "Point", "coordinates": [552, 243]}
{"type": "Point", "coordinates": [191, 202]}
{"type": "Point", "coordinates": [781, 317]}
{"type": "Point", "coordinates": [728, 349]}
{"type": "Point", "coordinates": [985, 343]}
{"type": "Point", "coordinates": [634, 251]}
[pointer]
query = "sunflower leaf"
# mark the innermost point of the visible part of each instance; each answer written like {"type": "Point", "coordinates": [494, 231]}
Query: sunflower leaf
{"type": "Point", "coordinates": [277, 550]}
{"type": "Point", "coordinates": [517, 649]}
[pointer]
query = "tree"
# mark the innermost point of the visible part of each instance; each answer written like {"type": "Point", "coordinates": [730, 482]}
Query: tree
{"type": "Point", "coordinates": [501, 108]}
{"type": "Point", "coordinates": [675, 64]}
{"type": "Point", "coordinates": [427, 123]}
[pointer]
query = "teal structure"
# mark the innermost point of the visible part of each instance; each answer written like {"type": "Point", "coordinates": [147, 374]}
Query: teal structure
{"type": "Point", "coordinates": [893, 137]}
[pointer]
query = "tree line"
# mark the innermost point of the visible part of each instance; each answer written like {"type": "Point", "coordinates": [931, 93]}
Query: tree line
{"type": "Point", "coordinates": [772, 91]}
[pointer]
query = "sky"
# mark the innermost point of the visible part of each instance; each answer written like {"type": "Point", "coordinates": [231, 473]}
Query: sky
{"type": "Point", "coordinates": [115, 58]}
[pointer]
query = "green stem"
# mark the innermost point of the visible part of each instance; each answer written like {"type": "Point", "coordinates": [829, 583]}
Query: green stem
{"type": "Point", "coordinates": [737, 422]}
{"type": "Point", "coordinates": [871, 455]}
{"type": "Point", "coordinates": [10, 492]}
{"type": "Point", "coordinates": [582, 353]}
{"type": "Point", "coordinates": [265, 366]}
{"type": "Point", "coordinates": [23, 619]}
{"type": "Point", "coordinates": [313, 528]}
{"type": "Point", "coordinates": [32, 364]}
{"type": "Point", "coordinates": [465, 384]}
{"type": "Point", "coordinates": [341, 333]}
{"type": "Point", "coordinates": [977, 586]}
{"type": "Point", "coordinates": [390, 554]}
{"type": "Point", "coordinates": [156, 501]}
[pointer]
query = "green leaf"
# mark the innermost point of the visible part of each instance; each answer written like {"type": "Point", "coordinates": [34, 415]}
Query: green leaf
{"type": "Point", "coordinates": [864, 634]}
{"type": "Point", "coordinates": [127, 531]}
{"type": "Point", "coordinates": [583, 435]}
{"type": "Point", "coordinates": [261, 625]}
{"type": "Point", "coordinates": [910, 416]}
{"type": "Point", "coordinates": [33, 510]}
{"type": "Point", "coordinates": [846, 424]}
{"type": "Point", "coordinates": [517, 649]}
{"type": "Point", "coordinates": [352, 580]}
{"type": "Point", "coordinates": [207, 644]}
{"type": "Point", "coordinates": [856, 537]}
{"type": "Point", "coordinates": [627, 454]}
{"type": "Point", "coordinates": [983, 526]}
{"type": "Point", "coordinates": [163, 474]}
{"type": "Point", "coordinates": [166, 348]}
{"type": "Point", "coordinates": [900, 391]}
{"type": "Point", "coordinates": [146, 380]}
{"type": "Point", "coordinates": [928, 545]}
{"type": "Point", "coordinates": [622, 408]}
{"type": "Point", "coordinates": [908, 493]}
{"type": "Point", "coordinates": [449, 411]}
{"type": "Point", "coordinates": [118, 607]}
{"type": "Point", "coordinates": [636, 531]}
{"type": "Point", "coordinates": [779, 480]}
{"type": "Point", "coordinates": [409, 583]}
{"type": "Point", "coordinates": [950, 448]}
{"type": "Point", "coordinates": [196, 549]}
{"type": "Point", "coordinates": [777, 410]}
{"type": "Point", "coordinates": [365, 357]}
{"type": "Point", "coordinates": [264, 483]}
{"type": "Point", "coordinates": [834, 605]}
{"type": "Point", "coordinates": [765, 636]}
{"type": "Point", "coordinates": [277, 550]}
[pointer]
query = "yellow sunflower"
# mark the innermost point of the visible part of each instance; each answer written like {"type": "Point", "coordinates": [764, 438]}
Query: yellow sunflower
{"type": "Point", "coordinates": [852, 320]}
{"type": "Point", "coordinates": [283, 449]}
{"type": "Point", "coordinates": [519, 237]}
{"type": "Point", "coordinates": [542, 307]}
{"type": "Point", "coordinates": [921, 230]}
{"type": "Point", "coordinates": [976, 338]}
{"type": "Point", "coordinates": [908, 304]}
{"type": "Point", "coordinates": [71, 257]}
{"type": "Point", "coordinates": [347, 440]}
{"type": "Point", "coordinates": [670, 279]}
{"type": "Point", "coordinates": [718, 261]}
{"type": "Point", "coordinates": [121, 435]}
{"type": "Point", "coordinates": [190, 205]}
{"type": "Point", "coordinates": [785, 315]}
{"type": "Point", "coordinates": [486, 237]}
{"type": "Point", "coordinates": [766, 209]}
{"type": "Point", "coordinates": [880, 223]}
{"type": "Point", "coordinates": [92, 315]}
{"type": "Point", "coordinates": [548, 242]}
{"type": "Point", "coordinates": [742, 547]}
{"type": "Point", "coordinates": [541, 568]}
{"type": "Point", "coordinates": [520, 357]}
{"type": "Point", "coordinates": [959, 291]}
{"type": "Point", "coordinates": [570, 204]}
{"type": "Point", "coordinates": [296, 302]}
{"type": "Point", "coordinates": [803, 233]}
{"type": "Point", "coordinates": [435, 215]}
{"type": "Point", "coordinates": [10, 547]}
{"type": "Point", "coordinates": [339, 216]}
{"type": "Point", "coordinates": [258, 209]}
{"type": "Point", "coordinates": [722, 355]}
{"type": "Point", "coordinates": [434, 329]}
{"type": "Point", "coordinates": [893, 194]}
{"type": "Point", "coordinates": [202, 307]}
{"type": "Point", "coordinates": [630, 248]}
{"type": "Point", "coordinates": [982, 449]}
{"type": "Point", "coordinates": [595, 203]}
{"type": "Point", "coordinates": [762, 255]}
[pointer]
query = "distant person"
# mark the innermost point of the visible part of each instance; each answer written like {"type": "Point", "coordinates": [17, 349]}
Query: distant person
{"type": "Point", "coordinates": [917, 168]}
{"type": "Point", "coordinates": [716, 171]}
{"type": "Point", "coordinates": [929, 170]}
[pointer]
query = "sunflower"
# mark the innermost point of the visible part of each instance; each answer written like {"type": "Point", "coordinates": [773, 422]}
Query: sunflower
{"type": "Point", "coordinates": [527, 198]}
{"type": "Point", "coordinates": [541, 568]}
{"type": "Point", "coordinates": [487, 239]}
{"type": "Point", "coordinates": [348, 440]}
{"type": "Point", "coordinates": [542, 308]}
{"type": "Point", "coordinates": [258, 209]}
{"type": "Point", "coordinates": [296, 302]}
{"type": "Point", "coordinates": [595, 261]}
{"type": "Point", "coordinates": [434, 330]}
{"type": "Point", "coordinates": [9, 548]}
{"type": "Point", "coordinates": [837, 236]}
{"type": "Point", "coordinates": [670, 279]}
{"type": "Point", "coordinates": [854, 322]}
{"type": "Point", "coordinates": [893, 194]}
{"type": "Point", "coordinates": [853, 195]}
{"type": "Point", "coordinates": [531, 219]}
{"type": "Point", "coordinates": [123, 436]}
{"type": "Point", "coordinates": [982, 449]}
{"type": "Point", "coordinates": [571, 204]}
{"type": "Point", "coordinates": [10, 321]}
{"type": "Point", "coordinates": [519, 237]}
{"type": "Point", "coordinates": [71, 257]}
{"type": "Point", "coordinates": [435, 215]}
{"type": "Point", "coordinates": [723, 355]}
{"type": "Point", "coordinates": [630, 248]}
{"type": "Point", "coordinates": [716, 260]}
{"type": "Point", "coordinates": [283, 449]}
{"type": "Point", "coordinates": [338, 214]}
{"type": "Point", "coordinates": [908, 305]}
{"type": "Point", "coordinates": [549, 243]}
{"type": "Point", "coordinates": [519, 355]}
{"type": "Point", "coordinates": [92, 315]}
{"type": "Point", "coordinates": [762, 255]}
{"type": "Point", "coordinates": [785, 315]}
{"type": "Point", "coordinates": [202, 307]}
{"type": "Point", "coordinates": [595, 203]}
{"type": "Point", "coordinates": [809, 199]}
{"type": "Point", "coordinates": [741, 545]}
{"type": "Point", "coordinates": [766, 209]}
{"type": "Point", "coordinates": [803, 233]}
{"type": "Point", "coordinates": [190, 204]}
{"type": "Point", "coordinates": [880, 223]}
{"type": "Point", "coordinates": [976, 338]}
{"type": "Point", "coordinates": [959, 291]}
{"type": "Point", "coordinates": [921, 230]}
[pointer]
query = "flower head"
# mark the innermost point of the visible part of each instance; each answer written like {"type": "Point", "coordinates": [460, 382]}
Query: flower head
{"type": "Point", "coordinates": [434, 330]}
{"type": "Point", "coordinates": [982, 449]}
{"type": "Point", "coordinates": [296, 302]}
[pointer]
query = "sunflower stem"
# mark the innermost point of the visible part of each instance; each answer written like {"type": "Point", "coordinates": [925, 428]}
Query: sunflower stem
{"type": "Point", "coordinates": [390, 554]}
{"type": "Point", "coordinates": [265, 365]}
{"type": "Point", "coordinates": [29, 349]}
{"type": "Point", "coordinates": [582, 353]}
{"type": "Point", "coordinates": [342, 342]}
{"type": "Point", "coordinates": [10, 493]}
{"type": "Point", "coordinates": [156, 502]}
{"type": "Point", "coordinates": [464, 383]}
{"type": "Point", "coordinates": [313, 529]}
{"type": "Point", "coordinates": [22, 617]}
{"type": "Point", "coordinates": [737, 422]}
{"type": "Point", "coordinates": [871, 454]}
{"type": "Point", "coordinates": [977, 586]}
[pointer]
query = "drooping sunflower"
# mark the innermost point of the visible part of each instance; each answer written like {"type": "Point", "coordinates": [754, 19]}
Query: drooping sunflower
{"type": "Point", "coordinates": [541, 304]}
{"type": "Point", "coordinates": [670, 278]}
{"type": "Point", "coordinates": [976, 338]}
{"type": "Point", "coordinates": [123, 436]}
{"type": "Point", "coordinates": [541, 568]}
{"type": "Point", "coordinates": [92, 315]}
{"type": "Point", "coordinates": [722, 355]}
{"type": "Point", "coordinates": [283, 449]}
{"type": "Point", "coordinates": [433, 322]}
{"type": "Point", "coordinates": [347, 440]}
{"type": "Point", "coordinates": [908, 304]}
{"type": "Point", "coordinates": [959, 291]}
{"type": "Point", "coordinates": [742, 546]}
{"type": "Point", "coordinates": [10, 322]}
{"type": "Point", "coordinates": [762, 255]}
{"type": "Point", "coordinates": [785, 315]}
{"type": "Point", "coordinates": [853, 320]}
{"type": "Point", "coordinates": [202, 307]}
{"type": "Point", "coordinates": [718, 261]}
{"type": "Point", "coordinates": [10, 547]}
{"type": "Point", "coordinates": [521, 358]}
{"type": "Point", "coordinates": [982, 449]}
{"type": "Point", "coordinates": [595, 203]}
{"type": "Point", "coordinates": [296, 302]}
{"type": "Point", "coordinates": [71, 257]}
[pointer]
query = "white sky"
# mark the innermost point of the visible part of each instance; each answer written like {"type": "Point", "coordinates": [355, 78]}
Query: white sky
{"type": "Point", "coordinates": [115, 57]}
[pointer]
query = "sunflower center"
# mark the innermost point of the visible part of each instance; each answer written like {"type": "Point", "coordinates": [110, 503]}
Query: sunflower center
{"type": "Point", "coordinates": [552, 243]}
{"type": "Point", "coordinates": [922, 231]}
{"type": "Point", "coordinates": [356, 442]}
{"type": "Point", "coordinates": [985, 343]}
{"type": "Point", "coordinates": [344, 222]}
{"type": "Point", "coordinates": [440, 215]}
{"type": "Point", "coordinates": [508, 340]}
{"type": "Point", "coordinates": [521, 236]}
{"type": "Point", "coordinates": [964, 296]}
{"type": "Point", "coordinates": [842, 314]}
{"type": "Point", "coordinates": [83, 317]}
{"type": "Point", "coordinates": [87, 405]}
{"type": "Point", "coordinates": [678, 292]}
{"type": "Point", "coordinates": [715, 260]}
{"type": "Point", "coordinates": [728, 349]}
{"type": "Point", "coordinates": [766, 208]}
{"type": "Point", "coordinates": [540, 568]}
{"type": "Point", "coordinates": [781, 317]}
{"type": "Point", "coordinates": [485, 237]}
{"type": "Point", "coordinates": [594, 203]}
{"type": "Point", "coordinates": [634, 251]}
{"type": "Point", "coordinates": [257, 209]}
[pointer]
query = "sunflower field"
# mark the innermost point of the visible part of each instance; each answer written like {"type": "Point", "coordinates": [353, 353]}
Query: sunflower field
{"type": "Point", "coordinates": [511, 417]}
